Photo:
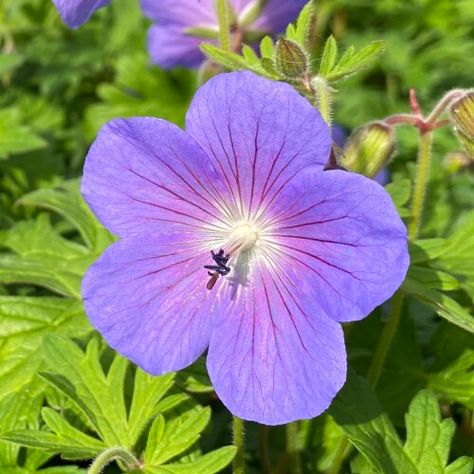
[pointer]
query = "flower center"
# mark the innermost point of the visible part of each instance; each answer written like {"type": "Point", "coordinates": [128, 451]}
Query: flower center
{"type": "Point", "coordinates": [242, 239]}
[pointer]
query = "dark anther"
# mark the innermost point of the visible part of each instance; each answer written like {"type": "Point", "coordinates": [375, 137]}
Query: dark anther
{"type": "Point", "coordinates": [221, 268]}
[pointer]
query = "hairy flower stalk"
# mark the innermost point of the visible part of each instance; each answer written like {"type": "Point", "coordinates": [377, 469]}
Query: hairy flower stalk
{"type": "Point", "coordinates": [233, 239]}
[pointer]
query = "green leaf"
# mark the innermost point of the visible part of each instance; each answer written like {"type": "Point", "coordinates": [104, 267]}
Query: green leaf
{"type": "Point", "coordinates": [195, 378]}
{"type": "Point", "coordinates": [66, 201]}
{"type": "Point", "coordinates": [456, 381]}
{"type": "Point", "coordinates": [52, 443]}
{"type": "Point", "coordinates": [148, 400]}
{"type": "Point", "coordinates": [427, 249]}
{"type": "Point", "coordinates": [444, 306]}
{"type": "Point", "coordinates": [353, 61]}
{"type": "Point", "coordinates": [89, 387]}
{"type": "Point", "coordinates": [228, 59]}
{"type": "Point", "coordinates": [9, 62]}
{"type": "Point", "coordinates": [139, 89]}
{"type": "Point", "coordinates": [43, 257]}
{"type": "Point", "coordinates": [432, 278]}
{"type": "Point", "coordinates": [17, 411]}
{"type": "Point", "coordinates": [358, 412]}
{"type": "Point", "coordinates": [117, 416]}
{"type": "Point", "coordinates": [428, 436]}
{"type": "Point", "coordinates": [328, 59]}
{"type": "Point", "coordinates": [400, 192]}
{"type": "Point", "coordinates": [167, 440]}
{"type": "Point", "coordinates": [210, 463]}
{"type": "Point", "coordinates": [23, 324]}
{"type": "Point", "coordinates": [15, 137]}
{"type": "Point", "coordinates": [300, 31]}
{"type": "Point", "coordinates": [235, 62]}
{"type": "Point", "coordinates": [267, 48]}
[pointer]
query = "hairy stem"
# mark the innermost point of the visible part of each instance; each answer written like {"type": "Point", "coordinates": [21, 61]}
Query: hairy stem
{"type": "Point", "coordinates": [292, 448]}
{"type": "Point", "coordinates": [323, 98]}
{"type": "Point", "coordinates": [423, 169]}
{"type": "Point", "coordinates": [110, 455]}
{"type": "Point", "coordinates": [239, 437]}
{"type": "Point", "coordinates": [224, 24]}
{"type": "Point", "coordinates": [443, 104]}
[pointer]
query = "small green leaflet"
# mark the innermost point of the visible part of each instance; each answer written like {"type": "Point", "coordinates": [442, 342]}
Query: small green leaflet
{"type": "Point", "coordinates": [108, 420]}
{"type": "Point", "coordinates": [351, 62]}
{"type": "Point", "coordinates": [300, 31]}
{"type": "Point", "coordinates": [426, 450]}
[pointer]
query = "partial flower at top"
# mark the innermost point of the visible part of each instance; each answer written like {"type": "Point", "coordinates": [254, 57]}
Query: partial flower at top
{"type": "Point", "coordinates": [233, 239]}
{"type": "Point", "coordinates": [174, 39]}
{"type": "Point", "coordinates": [76, 12]}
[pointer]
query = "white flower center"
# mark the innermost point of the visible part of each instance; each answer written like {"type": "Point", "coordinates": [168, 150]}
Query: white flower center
{"type": "Point", "coordinates": [244, 237]}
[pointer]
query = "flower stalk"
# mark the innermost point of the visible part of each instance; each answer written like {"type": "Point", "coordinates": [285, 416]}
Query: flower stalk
{"type": "Point", "coordinates": [223, 15]}
{"type": "Point", "coordinates": [421, 182]}
{"type": "Point", "coordinates": [114, 454]}
{"type": "Point", "coordinates": [323, 93]}
{"type": "Point", "coordinates": [238, 431]}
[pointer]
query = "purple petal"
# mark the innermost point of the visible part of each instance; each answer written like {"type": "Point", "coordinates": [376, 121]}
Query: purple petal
{"type": "Point", "coordinates": [270, 360]}
{"type": "Point", "coordinates": [76, 12]}
{"type": "Point", "coordinates": [339, 135]}
{"type": "Point", "coordinates": [338, 234]}
{"type": "Point", "coordinates": [147, 296]}
{"type": "Point", "coordinates": [169, 46]}
{"type": "Point", "coordinates": [142, 174]}
{"type": "Point", "coordinates": [259, 134]}
{"type": "Point", "coordinates": [277, 14]}
{"type": "Point", "coordinates": [383, 176]}
{"type": "Point", "coordinates": [181, 12]}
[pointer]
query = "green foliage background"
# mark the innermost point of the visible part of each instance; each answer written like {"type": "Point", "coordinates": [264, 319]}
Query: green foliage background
{"type": "Point", "coordinates": [65, 397]}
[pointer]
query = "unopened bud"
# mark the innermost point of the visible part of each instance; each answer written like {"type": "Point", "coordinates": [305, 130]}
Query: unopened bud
{"type": "Point", "coordinates": [458, 161]}
{"type": "Point", "coordinates": [369, 149]}
{"type": "Point", "coordinates": [290, 60]}
{"type": "Point", "coordinates": [462, 117]}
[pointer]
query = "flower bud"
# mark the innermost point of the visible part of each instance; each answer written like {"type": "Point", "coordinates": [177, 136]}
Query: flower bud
{"type": "Point", "coordinates": [290, 60]}
{"type": "Point", "coordinates": [369, 149]}
{"type": "Point", "coordinates": [462, 117]}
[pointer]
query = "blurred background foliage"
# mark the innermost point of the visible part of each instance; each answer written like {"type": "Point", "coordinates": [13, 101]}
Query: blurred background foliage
{"type": "Point", "coordinates": [58, 87]}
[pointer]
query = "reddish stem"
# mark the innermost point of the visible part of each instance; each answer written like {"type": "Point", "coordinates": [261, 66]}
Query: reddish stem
{"type": "Point", "coordinates": [414, 105]}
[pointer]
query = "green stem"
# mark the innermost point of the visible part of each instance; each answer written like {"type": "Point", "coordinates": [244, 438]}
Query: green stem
{"type": "Point", "coordinates": [423, 169]}
{"type": "Point", "coordinates": [239, 436]}
{"type": "Point", "coordinates": [292, 448]}
{"type": "Point", "coordinates": [386, 339]}
{"type": "Point", "coordinates": [110, 455]}
{"type": "Point", "coordinates": [341, 453]}
{"type": "Point", "coordinates": [223, 15]}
